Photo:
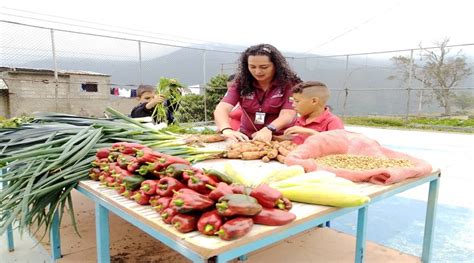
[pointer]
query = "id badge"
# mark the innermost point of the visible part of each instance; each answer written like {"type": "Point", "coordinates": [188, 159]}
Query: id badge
{"type": "Point", "coordinates": [259, 118]}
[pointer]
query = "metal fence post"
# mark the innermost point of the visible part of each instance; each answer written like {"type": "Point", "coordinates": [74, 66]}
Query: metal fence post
{"type": "Point", "coordinates": [205, 83]}
{"type": "Point", "coordinates": [55, 65]}
{"type": "Point", "coordinates": [410, 77]}
{"type": "Point", "coordinates": [140, 61]}
{"type": "Point", "coordinates": [346, 90]}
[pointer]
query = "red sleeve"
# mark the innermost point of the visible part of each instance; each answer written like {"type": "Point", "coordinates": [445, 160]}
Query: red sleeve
{"type": "Point", "coordinates": [232, 95]}
{"type": "Point", "coordinates": [335, 124]}
{"type": "Point", "coordinates": [287, 105]}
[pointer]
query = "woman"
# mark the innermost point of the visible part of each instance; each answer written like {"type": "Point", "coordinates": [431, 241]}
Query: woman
{"type": "Point", "coordinates": [263, 89]}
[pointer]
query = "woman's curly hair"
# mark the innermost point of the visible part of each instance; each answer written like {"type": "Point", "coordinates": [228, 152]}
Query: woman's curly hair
{"type": "Point", "coordinates": [283, 74]}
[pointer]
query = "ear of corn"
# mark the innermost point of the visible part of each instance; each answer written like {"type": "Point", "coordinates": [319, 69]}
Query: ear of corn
{"type": "Point", "coordinates": [283, 173]}
{"type": "Point", "coordinates": [312, 178]}
{"type": "Point", "coordinates": [324, 194]}
{"type": "Point", "coordinates": [236, 176]}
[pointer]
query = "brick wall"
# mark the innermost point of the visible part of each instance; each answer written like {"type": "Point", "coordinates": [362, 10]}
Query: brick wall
{"type": "Point", "coordinates": [36, 92]}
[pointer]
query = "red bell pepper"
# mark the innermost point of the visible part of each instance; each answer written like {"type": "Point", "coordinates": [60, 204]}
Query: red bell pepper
{"type": "Point", "coordinates": [109, 181]}
{"type": "Point", "coordinates": [120, 188]}
{"type": "Point", "coordinates": [198, 183]}
{"type": "Point", "coordinates": [241, 189]}
{"type": "Point", "coordinates": [268, 197]}
{"type": "Point", "coordinates": [219, 191]}
{"type": "Point", "coordinates": [238, 204]}
{"type": "Point", "coordinates": [141, 198]}
{"type": "Point", "coordinates": [162, 203]}
{"type": "Point", "coordinates": [273, 217]}
{"type": "Point", "coordinates": [119, 174]}
{"type": "Point", "coordinates": [167, 185]}
{"type": "Point", "coordinates": [184, 223]}
{"type": "Point", "coordinates": [113, 156]}
{"type": "Point", "coordinates": [94, 174]}
{"type": "Point", "coordinates": [210, 222]}
{"type": "Point", "coordinates": [148, 156]}
{"type": "Point", "coordinates": [168, 214]}
{"type": "Point", "coordinates": [127, 193]}
{"type": "Point", "coordinates": [218, 176]}
{"type": "Point", "coordinates": [176, 170]}
{"type": "Point", "coordinates": [154, 200]}
{"type": "Point", "coordinates": [149, 186]}
{"type": "Point", "coordinates": [128, 147]}
{"type": "Point", "coordinates": [151, 168]}
{"type": "Point", "coordinates": [235, 228]}
{"type": "Point", "coordinates": [287, 203]}
{"type": "Point", "coordinates": [102, 153]}
{"type": "Point", "coordinates": [133, 166]}
{"type": "Point", "coordinates": [187, 201]}
{"type": "Point", "coordinates": [124, 159]}
{"type": "Point", "coordinates": [190, 172]}
{"type": "Point", "coordinates": [103, 163]}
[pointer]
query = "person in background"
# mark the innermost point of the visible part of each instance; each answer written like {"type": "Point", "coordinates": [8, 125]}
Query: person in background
{"type": "Point", "coordinates": [236, 114]}
{"type": "Point", "coordinates": [262, 87]}
{"type": "Point", "coordinates": [147, 100]}
{"type": "Point", "coordinates": [309, 101]}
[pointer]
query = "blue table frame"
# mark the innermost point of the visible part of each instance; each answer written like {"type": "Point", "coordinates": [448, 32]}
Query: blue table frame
{"type": "Point", "coordinates": [103, 207]}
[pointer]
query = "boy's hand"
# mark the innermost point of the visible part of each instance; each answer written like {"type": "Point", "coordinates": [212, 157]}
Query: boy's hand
{"type": "Point", "coordinates": [158, 99]}
{"type": "Point", "coordinates": [299, 130]}
{"type": "Point", "coordinates": [155, 100]}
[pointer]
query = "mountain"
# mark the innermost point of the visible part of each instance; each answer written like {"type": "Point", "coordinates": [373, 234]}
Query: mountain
{"type": "Point", "coordinates": [362, 76]}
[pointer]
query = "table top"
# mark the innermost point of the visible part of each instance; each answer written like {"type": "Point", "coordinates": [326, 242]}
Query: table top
{"type": "Point", "coordinates": [207, 246]}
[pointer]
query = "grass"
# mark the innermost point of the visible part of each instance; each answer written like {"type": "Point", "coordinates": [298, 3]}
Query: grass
{"type": "Point", "coordinates": [438, 124]}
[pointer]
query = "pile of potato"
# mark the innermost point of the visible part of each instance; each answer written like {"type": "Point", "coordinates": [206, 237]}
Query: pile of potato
{"type": "Point", "coordinates": [254, 150]}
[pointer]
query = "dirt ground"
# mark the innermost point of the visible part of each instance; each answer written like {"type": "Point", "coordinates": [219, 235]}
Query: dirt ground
{"type": "Point", "coordinates": [130, 244]}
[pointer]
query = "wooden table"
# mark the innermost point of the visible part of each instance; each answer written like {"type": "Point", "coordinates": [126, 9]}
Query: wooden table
{"type": "Point", "coordinates": [199, 248]}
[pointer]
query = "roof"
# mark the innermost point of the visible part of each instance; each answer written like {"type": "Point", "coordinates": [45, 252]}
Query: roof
{"type": "Point", "coordinates": [50, 71]}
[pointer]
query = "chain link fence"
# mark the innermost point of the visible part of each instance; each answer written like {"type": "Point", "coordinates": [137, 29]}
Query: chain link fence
{"type": "Point", "coordinates": [360, 84]}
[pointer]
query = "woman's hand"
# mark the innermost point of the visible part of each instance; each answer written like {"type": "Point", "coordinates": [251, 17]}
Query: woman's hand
{"type": "Point", "coordinates": [263, 135]}
{"type": "Point", "coordinates": [235, 135]}
{"type": "Point", "coordinates": [299, 130]}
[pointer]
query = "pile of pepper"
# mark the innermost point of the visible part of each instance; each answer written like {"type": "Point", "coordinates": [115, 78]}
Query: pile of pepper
{"type": "Point", "coordinates": [187, 197]}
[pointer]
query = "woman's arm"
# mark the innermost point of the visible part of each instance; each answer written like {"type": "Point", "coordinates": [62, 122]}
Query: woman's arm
{"type": "Point", "coordinates": [284, 119]}
{"type": "Point", "coordinates": [221, 117]}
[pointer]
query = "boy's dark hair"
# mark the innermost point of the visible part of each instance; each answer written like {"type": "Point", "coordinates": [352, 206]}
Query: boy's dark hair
{"type": "Point", "coordinates": [144, 88]}
{"type": "Point", "coordinates": [301, 86]}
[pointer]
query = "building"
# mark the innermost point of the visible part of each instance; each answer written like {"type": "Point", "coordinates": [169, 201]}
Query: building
{"type": "Point", "coordinates": [26, 90]}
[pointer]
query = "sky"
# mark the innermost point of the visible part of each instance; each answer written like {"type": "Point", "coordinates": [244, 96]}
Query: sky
{"type": "Point", "coordinates": [314, 27]}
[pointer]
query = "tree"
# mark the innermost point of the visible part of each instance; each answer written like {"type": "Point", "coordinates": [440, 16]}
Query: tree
{"type": "Point", "coordinates": [192, 105]}
{"type": "Point", "coordinates": [439, 72]}
{"type": "Point", "coordinates": [464, 101]}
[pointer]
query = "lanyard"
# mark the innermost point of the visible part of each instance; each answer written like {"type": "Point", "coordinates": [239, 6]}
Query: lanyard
{"type": "Point", "coordinates": [260, 100]}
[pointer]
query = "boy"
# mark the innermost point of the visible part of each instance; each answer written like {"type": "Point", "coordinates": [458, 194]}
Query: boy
{"type": "Point", "coordinates": [309, 101]}
{"type": "Point", "coordinates": [147, 101]}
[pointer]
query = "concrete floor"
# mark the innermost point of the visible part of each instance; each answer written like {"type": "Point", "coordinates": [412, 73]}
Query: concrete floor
{"type": "Point", "coordinates": [396, 222]}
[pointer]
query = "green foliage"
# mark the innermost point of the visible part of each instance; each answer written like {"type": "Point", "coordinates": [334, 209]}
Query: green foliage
{"type": "Point", "coordinates": [14, 122]}
{"type": "Point", "coordinates": [464, 101]}
{"type": "Point", "coordinates": [192, 105]}
{"type": "Point", "coordinates": [170, 89]}
{"type": "Point", "coordinates": [191, 109]}
{"type": "Point", "coordinates": [441, 124]}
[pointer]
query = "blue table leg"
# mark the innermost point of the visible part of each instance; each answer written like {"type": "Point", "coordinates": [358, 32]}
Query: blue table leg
{"type": "Point", "coordinates": [102, 233]}
{"type": "Point", "coordinates": [361, 234]}
{"type": "Point", "coordinates": [429, 220]}
{"type": "Point", "coordinates": [55, 238]}
{"type": "Point", "coordinates": [11, 245]}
